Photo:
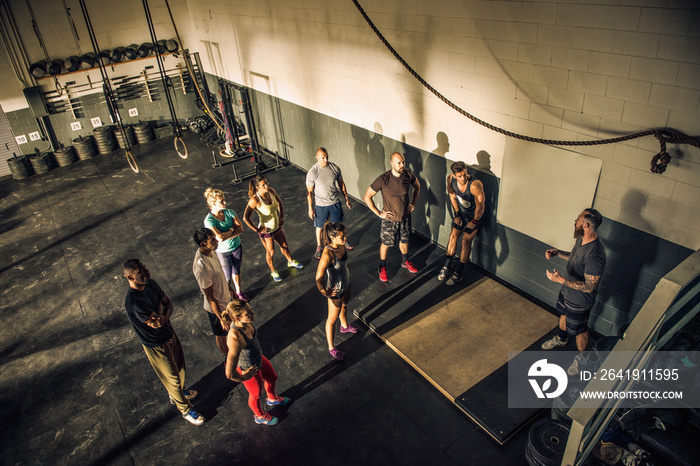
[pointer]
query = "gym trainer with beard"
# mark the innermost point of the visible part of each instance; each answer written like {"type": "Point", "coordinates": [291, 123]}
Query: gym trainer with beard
{"type": "Point", "coordinates": [584, 268]}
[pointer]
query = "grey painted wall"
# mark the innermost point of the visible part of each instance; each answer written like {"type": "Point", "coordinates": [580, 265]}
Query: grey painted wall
{"type": "Point", "coordinates": [636, 259]}
{"type": "Point", "coordinates": [24, 122]}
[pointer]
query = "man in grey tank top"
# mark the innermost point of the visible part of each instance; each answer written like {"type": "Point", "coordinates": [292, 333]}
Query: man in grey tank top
{"type": "Point", "coordinates": [324, 187]}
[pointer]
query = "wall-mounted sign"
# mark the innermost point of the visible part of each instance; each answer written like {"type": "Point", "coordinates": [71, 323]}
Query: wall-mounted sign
{"type": "Point", "coordinates": [96, 122]}
{"type": "Point", "coordinates": [133, 112]}
{"type": "Point", "coordinates": [35, 136]}
{"type": "Point", "coordinates": [76, 126]}
{"type": "Point", "coordinates": [21, 139]}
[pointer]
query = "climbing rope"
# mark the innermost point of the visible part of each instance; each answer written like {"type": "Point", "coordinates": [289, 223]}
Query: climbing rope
{"type": "Point", "coordinates": [664, 135]}
{"type": "Point", "coordinates": [203, 99]}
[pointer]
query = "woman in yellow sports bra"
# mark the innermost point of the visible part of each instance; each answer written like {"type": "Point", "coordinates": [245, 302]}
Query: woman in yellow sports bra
{"type": "Point", "coordinates": [268, 205]}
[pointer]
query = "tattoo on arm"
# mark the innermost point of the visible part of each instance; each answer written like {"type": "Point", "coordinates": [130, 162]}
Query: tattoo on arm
{"type": "Point", "coordinates": [587, 287]}
{"type": "Point", "coordinates": [563, 254]}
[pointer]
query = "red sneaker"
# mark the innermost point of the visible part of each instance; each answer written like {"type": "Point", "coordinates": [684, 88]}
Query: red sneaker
{"type": "Point", "coordinates": [408, 265]}
{"type": "Point", "coordinates": [382, 275]}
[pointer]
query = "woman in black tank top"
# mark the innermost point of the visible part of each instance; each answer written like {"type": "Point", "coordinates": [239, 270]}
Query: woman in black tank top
{"type": "Point", "coordinates": [335, 283]}
{"type": "Point", "coordinates": [246, 363]}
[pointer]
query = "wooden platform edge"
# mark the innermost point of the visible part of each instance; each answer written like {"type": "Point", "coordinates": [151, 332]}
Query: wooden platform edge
{"type": "Point", "coordinates": [488, 431]}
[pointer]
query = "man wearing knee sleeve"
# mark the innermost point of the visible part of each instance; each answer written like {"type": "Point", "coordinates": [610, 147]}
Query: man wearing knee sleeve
{"type": "Point", "coordinates": [212, 282]}
{"type": "Point", "coordinates": [396, 211]}
{"type": "Point", "coordinates": [468, 204]}
{"type": "Point", "coordinates": [324, 186]}
{"type": "Point", "coordinates": [149, 309]}
{"type": "Point", "coordinates": [584, 268]}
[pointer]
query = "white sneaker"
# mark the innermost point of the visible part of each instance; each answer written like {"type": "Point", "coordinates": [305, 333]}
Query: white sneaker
{"type": "Point", "coordinates": [194, 417]}
{"type": "Point", "coordinates": [444, 272]}
{"type": "Point", "coordinates": [553, 342]}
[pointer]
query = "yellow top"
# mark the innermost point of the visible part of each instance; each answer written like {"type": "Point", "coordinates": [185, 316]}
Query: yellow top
{"type": "Point", "coordinates": [268, 214]}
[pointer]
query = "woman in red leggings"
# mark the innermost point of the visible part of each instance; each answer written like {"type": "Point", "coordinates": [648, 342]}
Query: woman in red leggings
{"type": "Point", "coordinates": [246, 364]}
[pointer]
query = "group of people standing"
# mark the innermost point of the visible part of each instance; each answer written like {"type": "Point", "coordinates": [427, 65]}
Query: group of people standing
{"type": "Point", "coordinates": [219, 254]}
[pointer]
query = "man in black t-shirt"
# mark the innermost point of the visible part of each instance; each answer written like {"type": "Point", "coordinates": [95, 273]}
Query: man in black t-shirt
{"type": "Point", "coordinates": [396, 211]}
{"type": "Point", "coordinates": [585, 266]}
{"type": "Point", "coordinates": [149, 310]}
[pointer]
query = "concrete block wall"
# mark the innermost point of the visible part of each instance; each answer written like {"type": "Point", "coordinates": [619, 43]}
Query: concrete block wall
{"type": "Point", "coordinates": [636, 259]}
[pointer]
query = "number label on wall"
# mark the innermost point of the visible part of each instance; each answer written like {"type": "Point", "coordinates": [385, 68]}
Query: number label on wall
{"type": "Point", "coordinates": [35, 136]}
{"type": "Point", "coordinates": [22, 139]}
{"type": "Point", "coordinates": [76, 126]}
{"type": "Point", "coordinates": [96, 122]}
{"type": "Point", "coordinates": [133, 112]}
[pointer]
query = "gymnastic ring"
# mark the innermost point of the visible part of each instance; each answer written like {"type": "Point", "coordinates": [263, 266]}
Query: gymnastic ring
{"type": "Point", "coordinates": [132, 161]}
{"type": "Point", "coordinates": [184, 145]}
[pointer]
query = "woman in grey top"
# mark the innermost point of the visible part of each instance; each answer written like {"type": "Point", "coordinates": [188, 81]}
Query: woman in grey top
{"type": "Point", "coordinates": [335, 283]}
{"type": "Point", "coordinates": [246, 364]}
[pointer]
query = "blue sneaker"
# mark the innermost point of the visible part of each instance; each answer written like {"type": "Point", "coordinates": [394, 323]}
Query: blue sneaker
{"type": "Point", "coordinates": [280, 401]}
{"type": "Point", "coordinates": [194, 417]}
{"type": "Point", "coordinates": [266, 420]}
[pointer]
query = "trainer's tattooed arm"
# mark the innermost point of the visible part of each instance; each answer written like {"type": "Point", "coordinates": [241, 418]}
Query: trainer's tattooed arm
{"type": "Point", "coordinates": [557, 252]}
{"type": "Point", "coordinates": [587, 286]}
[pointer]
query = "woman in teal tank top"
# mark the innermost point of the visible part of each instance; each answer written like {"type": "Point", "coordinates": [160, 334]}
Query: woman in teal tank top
{"type": "Point", "coordinates": [227, 227]}
{"type": "Point", "coordinates": [268, 205]}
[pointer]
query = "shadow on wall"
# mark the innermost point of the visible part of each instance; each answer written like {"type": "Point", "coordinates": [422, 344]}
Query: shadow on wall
{"type": "Point", "coordinates": [370, 156]}
{"type": "Point", "coordinates": [627, 282]}
{"type": "Point", "coordinates": [490, 247]}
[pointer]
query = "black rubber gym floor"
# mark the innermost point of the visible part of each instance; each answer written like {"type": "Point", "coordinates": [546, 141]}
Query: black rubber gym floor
{"type": "Point", "coordinates": [76, 387]}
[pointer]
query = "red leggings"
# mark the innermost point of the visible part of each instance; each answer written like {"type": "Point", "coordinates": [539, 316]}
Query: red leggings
{"type": "Point", "coordinates": [265, 374]}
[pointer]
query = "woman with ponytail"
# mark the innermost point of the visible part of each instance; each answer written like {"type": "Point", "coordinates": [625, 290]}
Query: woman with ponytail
{"type": "Point", "coordinates": [246, 364]}
{"type": "Point", "coordinates": [265, 201]}
{"type": "Point", "coordinates": [335, 283]}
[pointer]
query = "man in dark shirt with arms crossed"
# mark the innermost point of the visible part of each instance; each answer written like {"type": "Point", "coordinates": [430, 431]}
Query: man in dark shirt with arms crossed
{"type": "Point", "coordinates": [149, 310]}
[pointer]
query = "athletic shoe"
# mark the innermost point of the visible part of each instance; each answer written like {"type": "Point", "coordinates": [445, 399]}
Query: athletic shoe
{"type": "Point", "coordinates": [444, 272]}
{"type": "Point", "coordinates": [319, 251]}
{"type": "Point", "coordinates": [408, 265]}
{"type": "Point", "coordinates": [352, 328]}
{"type": "Point", "coordinates": [573, 369]}
{"type": "Point", "coordinates": [382, 275]}
{"type": "Point", "coordinates": [337, 354]}
{"type": "Point", "coordinates": [279, 401]}
{"type": "Point", "coordinates": [194, 417]}
{"type": "Point", "coordinates": [189, 394]}
{"type": "Point", "coordinates": [553, 342]}
{"type": "Point", "coordinates": [242, 296]}
{"type": "Point", "coordinates": [276, 276]}
{"type": "Point", "coordinates": [266, 419]}
{"type": "Point", "coordinates": [349, 246]}
{"type": "Point", "coordinates": [295, 264]}
{"type": "Point", "coordinates": [456, 277]}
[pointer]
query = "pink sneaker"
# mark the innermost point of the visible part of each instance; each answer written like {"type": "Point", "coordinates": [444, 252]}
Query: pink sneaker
{"type": "Point", "coordinates": [337, 354]}
{"type": "Point", "coordinates": [242, 296]}
{"type": "Point", "coordinates": [352, 328]}
{"type": "Point", "coordinates": [382, 275]}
